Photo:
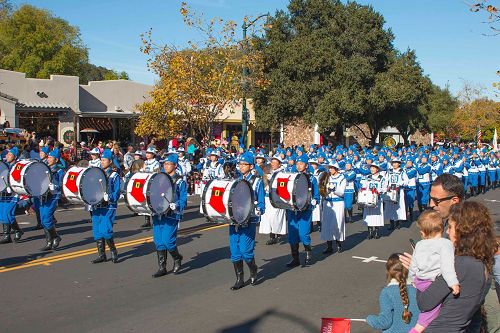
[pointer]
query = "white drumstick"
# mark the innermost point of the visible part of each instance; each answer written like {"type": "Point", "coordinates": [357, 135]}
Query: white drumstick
{"type": "Point", "coordinates": [3, 178]}
{"type": "Point", "coordinates": [102, 187]}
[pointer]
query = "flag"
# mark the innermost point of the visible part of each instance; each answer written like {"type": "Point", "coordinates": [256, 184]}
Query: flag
{"type": "Point", "coordinates": [335, 325]}
{"type": "Point", "coordinates": [495, 139]}
{"type": "Point", "coordinates": [479, 136]}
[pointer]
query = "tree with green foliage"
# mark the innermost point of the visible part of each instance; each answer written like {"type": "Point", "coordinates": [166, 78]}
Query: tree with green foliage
{"type": "Point", "coordinates": [439, 110]}
{"type": "Point", "coordinates": [322, 60]}
{"type": "Point", "coordinates": [39, 44]}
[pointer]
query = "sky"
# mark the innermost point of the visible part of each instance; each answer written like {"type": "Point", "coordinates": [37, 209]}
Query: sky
{"type": "Point", "coordinates": [449, 40]}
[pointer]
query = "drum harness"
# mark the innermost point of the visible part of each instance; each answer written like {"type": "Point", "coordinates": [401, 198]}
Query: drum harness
{"type": "Point", "coordinates": [245, 224]}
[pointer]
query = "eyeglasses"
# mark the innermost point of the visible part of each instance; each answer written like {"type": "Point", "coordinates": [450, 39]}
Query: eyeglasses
{"type": "Point", "coordinates": [437, 201]}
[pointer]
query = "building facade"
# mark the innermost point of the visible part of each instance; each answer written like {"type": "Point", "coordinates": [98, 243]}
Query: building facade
{"type": "Point", "coordinates": [60, 107]}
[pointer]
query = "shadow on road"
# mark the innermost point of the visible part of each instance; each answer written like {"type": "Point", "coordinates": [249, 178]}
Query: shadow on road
{"type": "Point", "coordinates": [205, 259]}
{"type": "Point", "coordinates": [251, 325]}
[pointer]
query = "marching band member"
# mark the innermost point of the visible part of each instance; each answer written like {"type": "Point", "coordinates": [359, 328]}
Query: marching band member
{"type": "Point", "coordinates": [333, 188]}
{"type": "Point", "coordinates": [291, 167]}
{"type": "Point", "coordinates": [165, 226]}
{"type": "Point", "coordinates": [44, 153]}
{"type": "Point", "coordinates": [436, 167]}
{"type": "Point", "coordinates": [151, 165]}
{"type": "Point", "coordinates": [273, 221]}
{"type": "Point", "coordinates": [374, 216]}
{"type": "Point", "coordinates": [95, 161]}
{"type": "Point", "coordinates": [423, 183]}
{"type": "Point", "coordinates": [8, 204]}
{"type": "Point", "coordinates": [103, 214]}
{"type": "Point", "coordinates": [184, 163]}
{"type": "Point", "coordinates": [396, 211]}
{"type": "Point", "coordinates": [213, 169]}
{"type": "Point", "coordinates": [316, 215]}
{"type": "Point", "coordinates": [481, 163]}
{"type": "Point", "coordinates": [299, 222]}
{"type": "Point", "coordinates": [473, 170]}
{"type": "Point", "coordinates": [410, 188]}
{"type": "Point", "coordinates": [242, 238]}
{"type": "Point", "coordinates": [350, 178]}
{"type": "Point", "coordinates": [447, 168]}
{"type": "Point", "coordinates": [48, 202]}
{"type": "Point", "coordinates": [492, 168]}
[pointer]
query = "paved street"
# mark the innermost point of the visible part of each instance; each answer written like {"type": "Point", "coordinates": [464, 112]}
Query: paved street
{"type": "Point", "coordinates": [62, 292]}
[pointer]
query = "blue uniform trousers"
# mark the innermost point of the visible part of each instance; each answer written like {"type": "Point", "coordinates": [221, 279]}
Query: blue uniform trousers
{"type": "Point", "coordinates": [423, 191]}
{"type": "Point", "coordinates": [409, 197]}
{"type": "Point", "coordinates": [165, 232]}
{"type": "Point", "coordinates": [242, 242]}
{"type": "Point", "coordinates": [492, 176]}
{"type": "Point", "coordinates": [482, 178]}
{"type": "Point", "coordinates": [348, 199]}
{"type": "Point", "coordinates": [102, 222]}
{"type": "Point", "coordinates": [47, 209]}
{"type": "Point", "coordinates": [465, 180]}
{"type": "Point", "coordinates": [8, 206]}
{"type": "Point", "coordinates": [474, 179]}
{"type": "Point", "coordinates": [299, 226]}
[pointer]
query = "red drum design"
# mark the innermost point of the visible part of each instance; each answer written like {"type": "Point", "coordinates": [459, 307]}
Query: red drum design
{"type": "Point", "coordinates": [290, 191]}
{"type": "Point", "coordinates": [228, 200]}
{"type": "Point", "coordinates": [149, 193]}
{"type": "Point", "coordinates": [85, 185]}
{"type": "Point", "coordinates": [31, 178]}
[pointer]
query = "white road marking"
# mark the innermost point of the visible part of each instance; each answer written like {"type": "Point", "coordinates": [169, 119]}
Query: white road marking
{"type": "Point", "coordinates": [490, 200]}
{"type": "Point", "coordinates": [23, 223]}
{"type": "Point", "coordinates": [370, 259]}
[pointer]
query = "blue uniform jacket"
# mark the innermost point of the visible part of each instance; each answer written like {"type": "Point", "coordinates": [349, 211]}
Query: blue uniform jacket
{"type": "Point", "coordinates": [259, 193]}
{"type": "Point", "coordinates": [180, 197]}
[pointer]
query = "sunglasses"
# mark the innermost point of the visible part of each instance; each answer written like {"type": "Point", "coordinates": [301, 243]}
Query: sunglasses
{"type": "Point", "coordinates": [437, 201]}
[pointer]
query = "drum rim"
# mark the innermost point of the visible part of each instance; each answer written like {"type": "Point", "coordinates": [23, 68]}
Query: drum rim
{"type": "Point", "coordinates": [29, 165]}
{"type": "Point", "coordinates": [8, 177]}
{"type": "Point", "coordinates": [294, 192]}
{"type": "Point", "coordinates": [148, 201]}
{"type": "Point", "coordinates": [81, 184]}
{"type": "Point", "coordinates": [203, 201]}
{"type": "Point", "coordinates": [230, 201]}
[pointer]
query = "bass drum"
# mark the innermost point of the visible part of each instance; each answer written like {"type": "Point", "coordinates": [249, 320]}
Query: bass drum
{"type": "Point", "coordinates": [31, 178]}
{"type": "Point", "coordinates": [85, 185]}
{"type": "Point", "coordinates": [228, 201]}
{"type": "Point", "coordinates": [4, 175]}
{"type": "Point", "coordinates": [290, 191]}
{"type": "Point", "coordinates": [149, 193]}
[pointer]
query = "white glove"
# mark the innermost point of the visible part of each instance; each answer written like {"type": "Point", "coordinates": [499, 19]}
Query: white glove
{"type": "Point", "coordinates": [257, 212]}
{"type": "Point", "coordinates": [52, 187]}
{"type": "Point", "coordinates": [173, 206]}
{"type": "Point", "coordinates": [331, 186]}
{"type": "Point", "coordinates": [314, 202]}
{"type": "Point", "coordinates": [105, 197]}
{"type": "Point", "coordinates": [9, 190]}
{"type": "Point", "coordinates": [269, 177]}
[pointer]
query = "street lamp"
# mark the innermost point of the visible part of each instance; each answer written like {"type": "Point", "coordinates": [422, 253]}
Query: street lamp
{"type": "Point", "coordinates": [245, 116]}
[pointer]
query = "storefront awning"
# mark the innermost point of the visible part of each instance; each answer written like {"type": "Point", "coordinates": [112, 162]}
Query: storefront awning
{"type": "Point", "coordinates": [39, 106]}
{"type": "Point", "coordinates": [100, 124]}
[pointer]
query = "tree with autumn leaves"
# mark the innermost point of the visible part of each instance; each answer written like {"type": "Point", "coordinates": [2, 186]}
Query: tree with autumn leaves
{"type": "Point", "coordinates": [199, 82]}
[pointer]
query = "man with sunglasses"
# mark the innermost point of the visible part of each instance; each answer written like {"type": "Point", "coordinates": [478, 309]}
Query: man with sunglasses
{"type": "Point", "coordinates": [446, 191]}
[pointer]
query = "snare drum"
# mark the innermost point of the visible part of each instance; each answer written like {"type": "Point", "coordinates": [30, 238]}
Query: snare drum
{"type": "Point", "coordinates": [228, 200]}
{"type": "Point", "coordinates": [367, 198]}
{"type": "Point", "coordinates": [149, 193]}
{"type": "Point", "coordinates": [31, 178]}
{"type": "Point", "coordinates": [392, 195]}
{"type": "Point", "coordinates": [4, 176]}
{"type": "Point", "coordinates": [85, 185]}
{"type": "Point", "coordinates": [290, 191]}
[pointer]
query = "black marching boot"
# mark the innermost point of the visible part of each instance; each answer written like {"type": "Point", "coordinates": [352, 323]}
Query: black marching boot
{"type": "Point", "coordinates": [411, 215]}
{"type": "Point", "coordinates": [398, 224]}
{"type": "Point", "coordinates": [252, 266]}
{"type": "Point", "coordinates": [329, 247]}
{"type": "Point", "coordinates": [308, 250]}
{"type": "Point", "coordinates": [162, 263]}
{"type": "Point", "coordinates": [339, 246]}
{"type": "Point", "coordinates": [55, 238]}
{"type": "Point", "coordinates": [147, 222]}
{"type": "Point", "coordinates": [6, 234]}
{"type": "Point", "coordinates": [112, 249]}
{"type": "Point", "coordinates": [38, 221]}
{"type": "Point", "coordinates": [319, 226]}
{"type": "Point", "coordinates": [370, 233]}
{"type": "Point", "coordinates": [376, 235]}
{"type": "Point", "coordinates": [392, 225]}
{"type": "Point", "coordinates": [18, 232]}
{"type": "Point", "coordinates": [312, 227]}
{"type": "Point", "coordinates": [177, 260]}
{"type": "Point", "coordinates": [295, 256]}
{"type": "Point", "coordinates": [238, 270]}
{"type": "Point", "coordinates": [48, 239]}
{"type": "Point", "coordinates": [101, 252]}
{"type": "Point", "coordinates": [272, 239]}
